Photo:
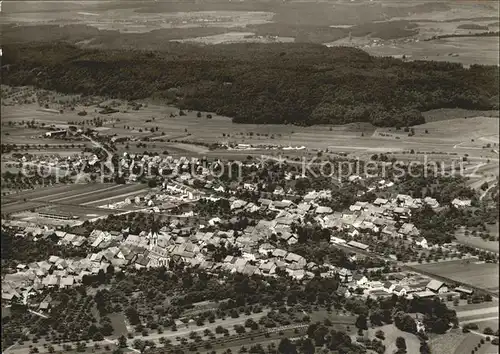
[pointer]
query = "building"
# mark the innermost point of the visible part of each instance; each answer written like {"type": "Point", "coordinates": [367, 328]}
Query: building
{"type": "Point", "coordinates": [463, 290]}
{"type": "Point", "coordinates": [422, 242]}
{"type": "Point", "coordinates": [437, 287]}
{"type": "Point", "coordinates": [359, 245]}
{"type": "Point", "coordinates": [55, 133]}
{"type": "Point", "coordinates": [54, 215]}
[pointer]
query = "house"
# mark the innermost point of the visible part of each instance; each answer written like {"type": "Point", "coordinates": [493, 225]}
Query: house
{"type": "Point", "coordinates": [44, 306]}
{"type": "Point", "coordinates": [295, 258]}
{"type": "Point", "coordinates": [279, 253]}
{"type": "Point", "coordinates": [376, 285]}
{"type": "Point", "coordinates": [389, 287]}
{"type": "Point", "coordinates": [268, 268]}
{"type": "Point", "coordinates": [343, 291]}
{"type": "Point", "coordinates": [409, 229]}
{"type": "Point", "coordinates": [345, 275]}
{"type": "Point", "coordinates": [399, 290]}
{"type": "Point", "coordinates": [141, 261]}
{"type": "Point", "coordinates": [11, 296]}
{"type": "Point", "coordinates": [360, 279]}
{"type": "Point", "coordinates": [398, 276]}
{"type": "Point", "coordinates": [380, 201]}
{"type": "Point", "coordinates": [424, 294]}
{"type": "Point", "coordinates": [422, 242]}
{"type": "Point", "coordinates": [305, 207]}
{"type": "Point", "coordinates": [265, 202]}
{"type": "Point", "coordinates": [437, 286]}
{"type": "Point", "coordinates": [282, 204]}
{"type": "Point", "coordinates": [265, 248]}
{"type": "Point", "coordinates": [323, 210]}
{"type": "Point", "coordinates": [66, 282]}
{"type": "Point", "coordinates": [457, 203]}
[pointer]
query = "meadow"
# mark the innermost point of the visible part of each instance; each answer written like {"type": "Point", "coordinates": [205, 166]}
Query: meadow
{"type": "Point", "coordinates": [464, 136]}
{"type": "Point", "coordinates": [391, 333]}
{"type": "Point", "coordinates": [477, 242]}
{"type": "Point", "coordinates": [484, 275]}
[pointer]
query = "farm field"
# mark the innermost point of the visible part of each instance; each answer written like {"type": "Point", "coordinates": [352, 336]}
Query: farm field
{"type": "Point", "coordinates": [77, 199]}
{"type": "Point", "coordinates": [480, 275]}
{"type": "Point", "coordinates": [173, 131]}
{"type": "Point", "coordinates": [463, 50]}
{"type": "Point", "coordinates": [59, 192]}
{"type": "Point", "coordinates": [235, 37]}
{"type": "Point", "coordinates": [113, 197]}
{"type": "Point", "coordinates": [482, 324]}
{"type": "Point", "coordinates": [488, 312]}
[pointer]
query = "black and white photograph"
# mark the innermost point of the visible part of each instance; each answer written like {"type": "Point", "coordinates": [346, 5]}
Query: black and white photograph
{"type": "Point", "coordinates": [249, 176]}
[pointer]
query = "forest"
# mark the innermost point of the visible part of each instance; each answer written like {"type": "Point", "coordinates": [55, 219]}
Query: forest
{"type": "Point", "coordinates": [301, 84]}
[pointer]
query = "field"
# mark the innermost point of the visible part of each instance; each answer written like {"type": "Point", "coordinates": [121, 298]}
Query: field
{"type": "Point", "coordinates": [81, 200]}
{"type": "Point", "coordinates": [464, 50]}
{"type": "Point", "coordinates": [391, 333]}
{"type": "Point", "coordinates": [190, 128]}
{"type": "Point", "coordinates": [485, 311]}
{"type": "Point", "coordinates": [485, 323]}
{"type": "Point", "coordinates": [477, 242]}
{"type": "Point", "coordinates": [456, 342]}
{"type": "Point", "coordinates": [129, 20]}
{"type": "Point", "coordinates": [235, 37]}
{"type": "Point", "coordinates": [480, 275]}
{"type": "Point", "coordinates": [380, 27]}
{"type": "Point", "coordinates": [453, 113]}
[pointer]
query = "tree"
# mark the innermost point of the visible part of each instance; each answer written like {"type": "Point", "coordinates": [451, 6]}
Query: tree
{"type": "Point", "coordinates": [380, 334]}
{"type": "Point", "coordinates": [122, 341]}
{"type": "Point", "coordinates": [361, 322]}
{"type": "Point", "coordinates": [308, 346]}
{"type": "Point", "coordinates": [488, 331]}
{"type": "Point", "coordinates": [405, 322]}
{"type": "Point", "coordinates": [139, 345]}
{"type": "Point", "coordinates": [401, 343]}
{"type": "Point", "coordinates": [286, 347]}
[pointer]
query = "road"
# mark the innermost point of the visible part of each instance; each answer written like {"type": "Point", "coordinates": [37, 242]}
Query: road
{"type": "Point", "coordinates": [492, 185]}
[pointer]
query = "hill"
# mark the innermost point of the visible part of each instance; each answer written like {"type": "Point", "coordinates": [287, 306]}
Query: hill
{"type": "Point", "coordinates": [293, 83]}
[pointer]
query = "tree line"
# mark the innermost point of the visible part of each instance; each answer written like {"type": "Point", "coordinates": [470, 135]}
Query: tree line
{"type": "Point", "coordinates": [292, 83]}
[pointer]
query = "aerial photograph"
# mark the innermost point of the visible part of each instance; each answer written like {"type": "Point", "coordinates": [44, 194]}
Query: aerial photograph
{"type": "Point", "coordinates": [250, 176]}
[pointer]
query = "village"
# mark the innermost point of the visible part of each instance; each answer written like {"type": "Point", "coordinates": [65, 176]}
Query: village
{"type": "Point", "coordinates": [193, 245]}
